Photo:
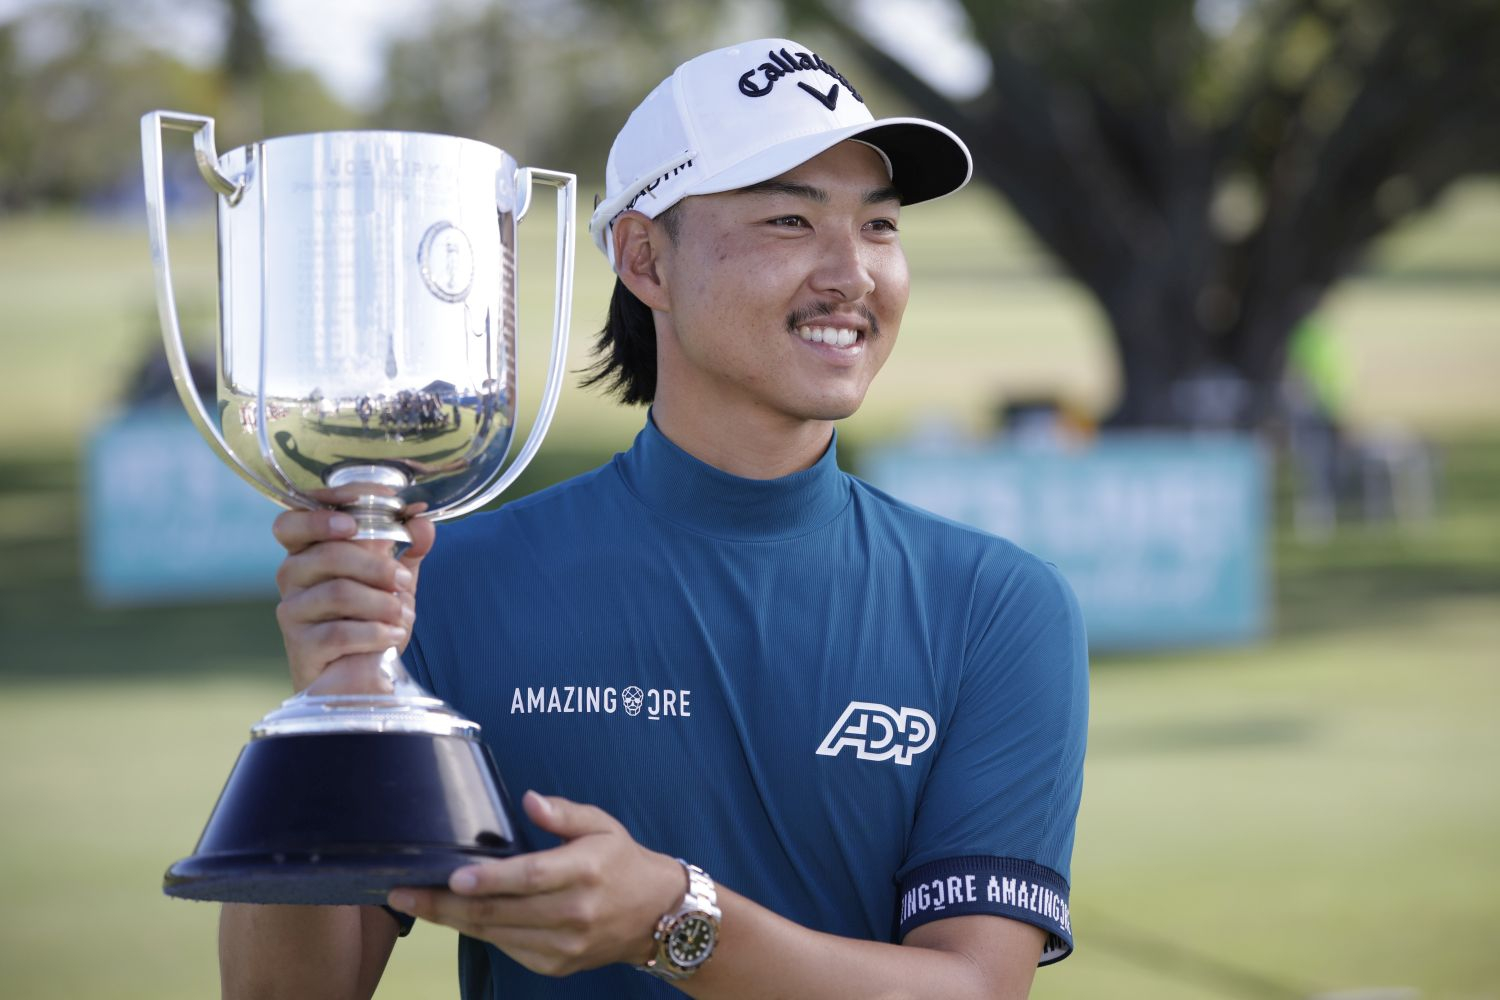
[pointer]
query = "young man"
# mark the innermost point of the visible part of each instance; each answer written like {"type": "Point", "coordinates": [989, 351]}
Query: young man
{"type": "Point", "coordinates": [861, 726]}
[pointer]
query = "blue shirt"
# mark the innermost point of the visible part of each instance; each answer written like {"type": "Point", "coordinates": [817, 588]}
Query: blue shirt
{"type": "Point", "coordinates": [860, 715]}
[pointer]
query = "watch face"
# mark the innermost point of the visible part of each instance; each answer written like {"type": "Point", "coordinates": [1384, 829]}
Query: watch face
{"type": "Point", "coordinates": [691, 941]}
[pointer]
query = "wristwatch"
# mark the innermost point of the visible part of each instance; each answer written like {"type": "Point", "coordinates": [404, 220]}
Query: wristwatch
{"type": "Point", "coordinates": [686, 936]}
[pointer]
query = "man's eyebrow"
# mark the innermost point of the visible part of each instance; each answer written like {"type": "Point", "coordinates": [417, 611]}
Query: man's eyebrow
{"type": "Point", "coordinates": [877, 196]}
{"type": "Point", "coordinates": [788, 187]}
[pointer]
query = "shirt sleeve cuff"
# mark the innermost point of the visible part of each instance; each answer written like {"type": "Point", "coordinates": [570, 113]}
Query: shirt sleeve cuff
{"type": "Point", "coordinates": [1003, 887]}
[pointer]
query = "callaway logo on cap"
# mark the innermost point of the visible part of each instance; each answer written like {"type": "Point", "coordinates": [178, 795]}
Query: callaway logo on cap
{"type": "Point", "coordinates": [744, 114]}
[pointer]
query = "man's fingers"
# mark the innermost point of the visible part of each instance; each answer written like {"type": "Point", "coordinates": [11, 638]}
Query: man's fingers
{"type": "Point", "coordinates": [520, 930]}
{"type": "Point", "coordinates": [549, 952]}
{"type": "Point", "coordinates": [298, 529]}
{"type": "Point", "coordinates": [353, 647]}
{"type": "Point", "coordinates": [357, 673]}
{"type": "Point", "coordinates": [566, 818]}
{"type": "Point", "coordinates": [531, 874]}
{"type": "Point", "coordinates": [586, 903]}
{"type": "Point", "coordinates": [423, 532]}
{"type": "Point", "coordinates": [338, 598]}
{"type": "Point", "coordinates": [346, 637]}
{"type": "Point", "coordinates": [362, 562]}
{"type": "Point", "coordinates": [342, 657]}
{"type": "Point", "coordinates": [549, 910]}
{"type": "Point", "coordinates": [344, 601]}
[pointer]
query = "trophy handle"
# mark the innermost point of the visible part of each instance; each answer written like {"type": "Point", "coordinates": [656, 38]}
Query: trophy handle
{"type": "Point", "coordinates": [562, 311]}
{"type": "Point", "coordinates": [152, 125]}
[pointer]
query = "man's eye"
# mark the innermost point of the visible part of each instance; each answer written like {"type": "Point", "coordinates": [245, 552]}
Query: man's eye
{"type": "Point", "coordinates": [791, 221]}
{"type": "Point", "coordinates": [883, 225]}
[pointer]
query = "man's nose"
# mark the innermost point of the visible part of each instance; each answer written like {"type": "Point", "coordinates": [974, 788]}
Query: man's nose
{"type": "Point", "coordinates": [843, 268]}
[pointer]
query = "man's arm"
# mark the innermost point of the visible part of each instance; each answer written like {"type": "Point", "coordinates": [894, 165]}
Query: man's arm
{"type": "Point", "coordinates": [311, 952]}
{"type": "Point", "coordinates": [596, 899]}
{"type": "Point", "coordinates": [764, 955]}
{"type": "Point", "coordinates": [342, 604]}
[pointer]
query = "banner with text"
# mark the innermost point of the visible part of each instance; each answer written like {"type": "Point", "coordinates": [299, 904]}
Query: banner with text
{"type": "Point", "coordinates": [1163, 537]}
{"type": "Point", "coordinates": [166, 520]}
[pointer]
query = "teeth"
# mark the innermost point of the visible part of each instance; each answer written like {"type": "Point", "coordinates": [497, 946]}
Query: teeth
{"type": "Point", "coordinates": [828, 335]}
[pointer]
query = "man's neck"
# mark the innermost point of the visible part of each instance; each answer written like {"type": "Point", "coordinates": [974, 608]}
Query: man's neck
{"type": "Point", "coordinates": [752, 446]}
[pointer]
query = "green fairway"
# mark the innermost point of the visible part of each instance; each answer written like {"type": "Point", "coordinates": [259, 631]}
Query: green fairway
{"type": "Point", "coordinates": [1315, 813]}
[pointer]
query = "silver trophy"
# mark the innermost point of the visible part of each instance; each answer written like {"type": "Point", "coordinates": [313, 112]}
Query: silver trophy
{"type": "Point", "coordinates": [367, 335]}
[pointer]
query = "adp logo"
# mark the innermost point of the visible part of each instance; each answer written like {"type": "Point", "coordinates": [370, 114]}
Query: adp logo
{"type": "Point", "coordinates": [879, 732]}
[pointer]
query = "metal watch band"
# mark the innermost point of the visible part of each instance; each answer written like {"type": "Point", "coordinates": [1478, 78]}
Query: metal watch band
{"type": "Point", "coordinates": [699, 910]}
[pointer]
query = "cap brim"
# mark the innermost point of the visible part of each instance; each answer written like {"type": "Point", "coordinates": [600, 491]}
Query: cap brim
{"type": "Point", "coordinates": [927, 160]}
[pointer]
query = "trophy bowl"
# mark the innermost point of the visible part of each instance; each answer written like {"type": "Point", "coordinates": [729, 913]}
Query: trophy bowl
{"type": "Point", "coordinates": [367, 337]}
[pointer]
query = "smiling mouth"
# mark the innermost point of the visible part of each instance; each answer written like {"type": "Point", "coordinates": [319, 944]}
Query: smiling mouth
{"type": "Point", "coordinates": [852, 325]}
{"type": "Point", "coordinates": [830, 335]}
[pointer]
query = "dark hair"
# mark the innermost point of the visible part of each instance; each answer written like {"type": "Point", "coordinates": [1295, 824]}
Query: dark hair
{"type": "Point", "coordinates": [625, 350]}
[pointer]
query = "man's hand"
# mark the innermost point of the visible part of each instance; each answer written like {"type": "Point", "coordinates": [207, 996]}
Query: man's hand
{"type": "Point", "coordinates": [594, 900]}
{"type": "Point", "coordinates": [343, 602]}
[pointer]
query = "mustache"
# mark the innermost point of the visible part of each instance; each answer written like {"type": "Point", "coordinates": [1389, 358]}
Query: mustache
{"type": "Point", "coordinates": [805, 315]}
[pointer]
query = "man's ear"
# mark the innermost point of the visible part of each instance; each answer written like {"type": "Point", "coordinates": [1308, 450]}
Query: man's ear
{"type": "Point", "coordinates": [639, 243]}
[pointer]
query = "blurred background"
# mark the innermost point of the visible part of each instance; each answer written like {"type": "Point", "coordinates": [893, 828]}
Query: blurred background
{"type": "Point", "coordinates": [1216, 328]}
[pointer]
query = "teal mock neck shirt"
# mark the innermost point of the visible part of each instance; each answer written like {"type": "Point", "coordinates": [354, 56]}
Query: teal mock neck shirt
{"type": "Point", "coordinates": [857, 714]}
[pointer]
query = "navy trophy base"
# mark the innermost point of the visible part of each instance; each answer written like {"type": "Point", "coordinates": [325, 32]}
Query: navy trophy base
{"type": "Point", "coordinates": [343, 818]}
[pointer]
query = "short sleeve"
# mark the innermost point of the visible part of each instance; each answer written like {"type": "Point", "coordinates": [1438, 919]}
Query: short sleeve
{"type": "Point", "coordinates": [994, 826]}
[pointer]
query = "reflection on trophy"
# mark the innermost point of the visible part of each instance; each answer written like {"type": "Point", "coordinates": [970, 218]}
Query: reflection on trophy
{"type": "Point", "coordinates": [367, 301]}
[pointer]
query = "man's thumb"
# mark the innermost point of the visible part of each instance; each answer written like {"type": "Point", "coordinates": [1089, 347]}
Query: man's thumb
{"type": "Point", "coordinates": [566, 818]}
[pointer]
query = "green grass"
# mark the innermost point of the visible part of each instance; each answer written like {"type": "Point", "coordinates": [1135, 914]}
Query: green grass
{"type": "Point", "coordinates": [1313, 813]}
{"type": "Point", "coordinates": [1317, 812]}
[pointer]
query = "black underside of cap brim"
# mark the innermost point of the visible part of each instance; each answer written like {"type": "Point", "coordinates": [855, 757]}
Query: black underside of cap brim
{"type": "Point", "coordinates": [926, 163]}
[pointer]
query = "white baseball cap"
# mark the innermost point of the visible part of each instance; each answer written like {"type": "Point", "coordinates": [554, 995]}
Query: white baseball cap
{"type": "Point", "coordinates": [744, 114]}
